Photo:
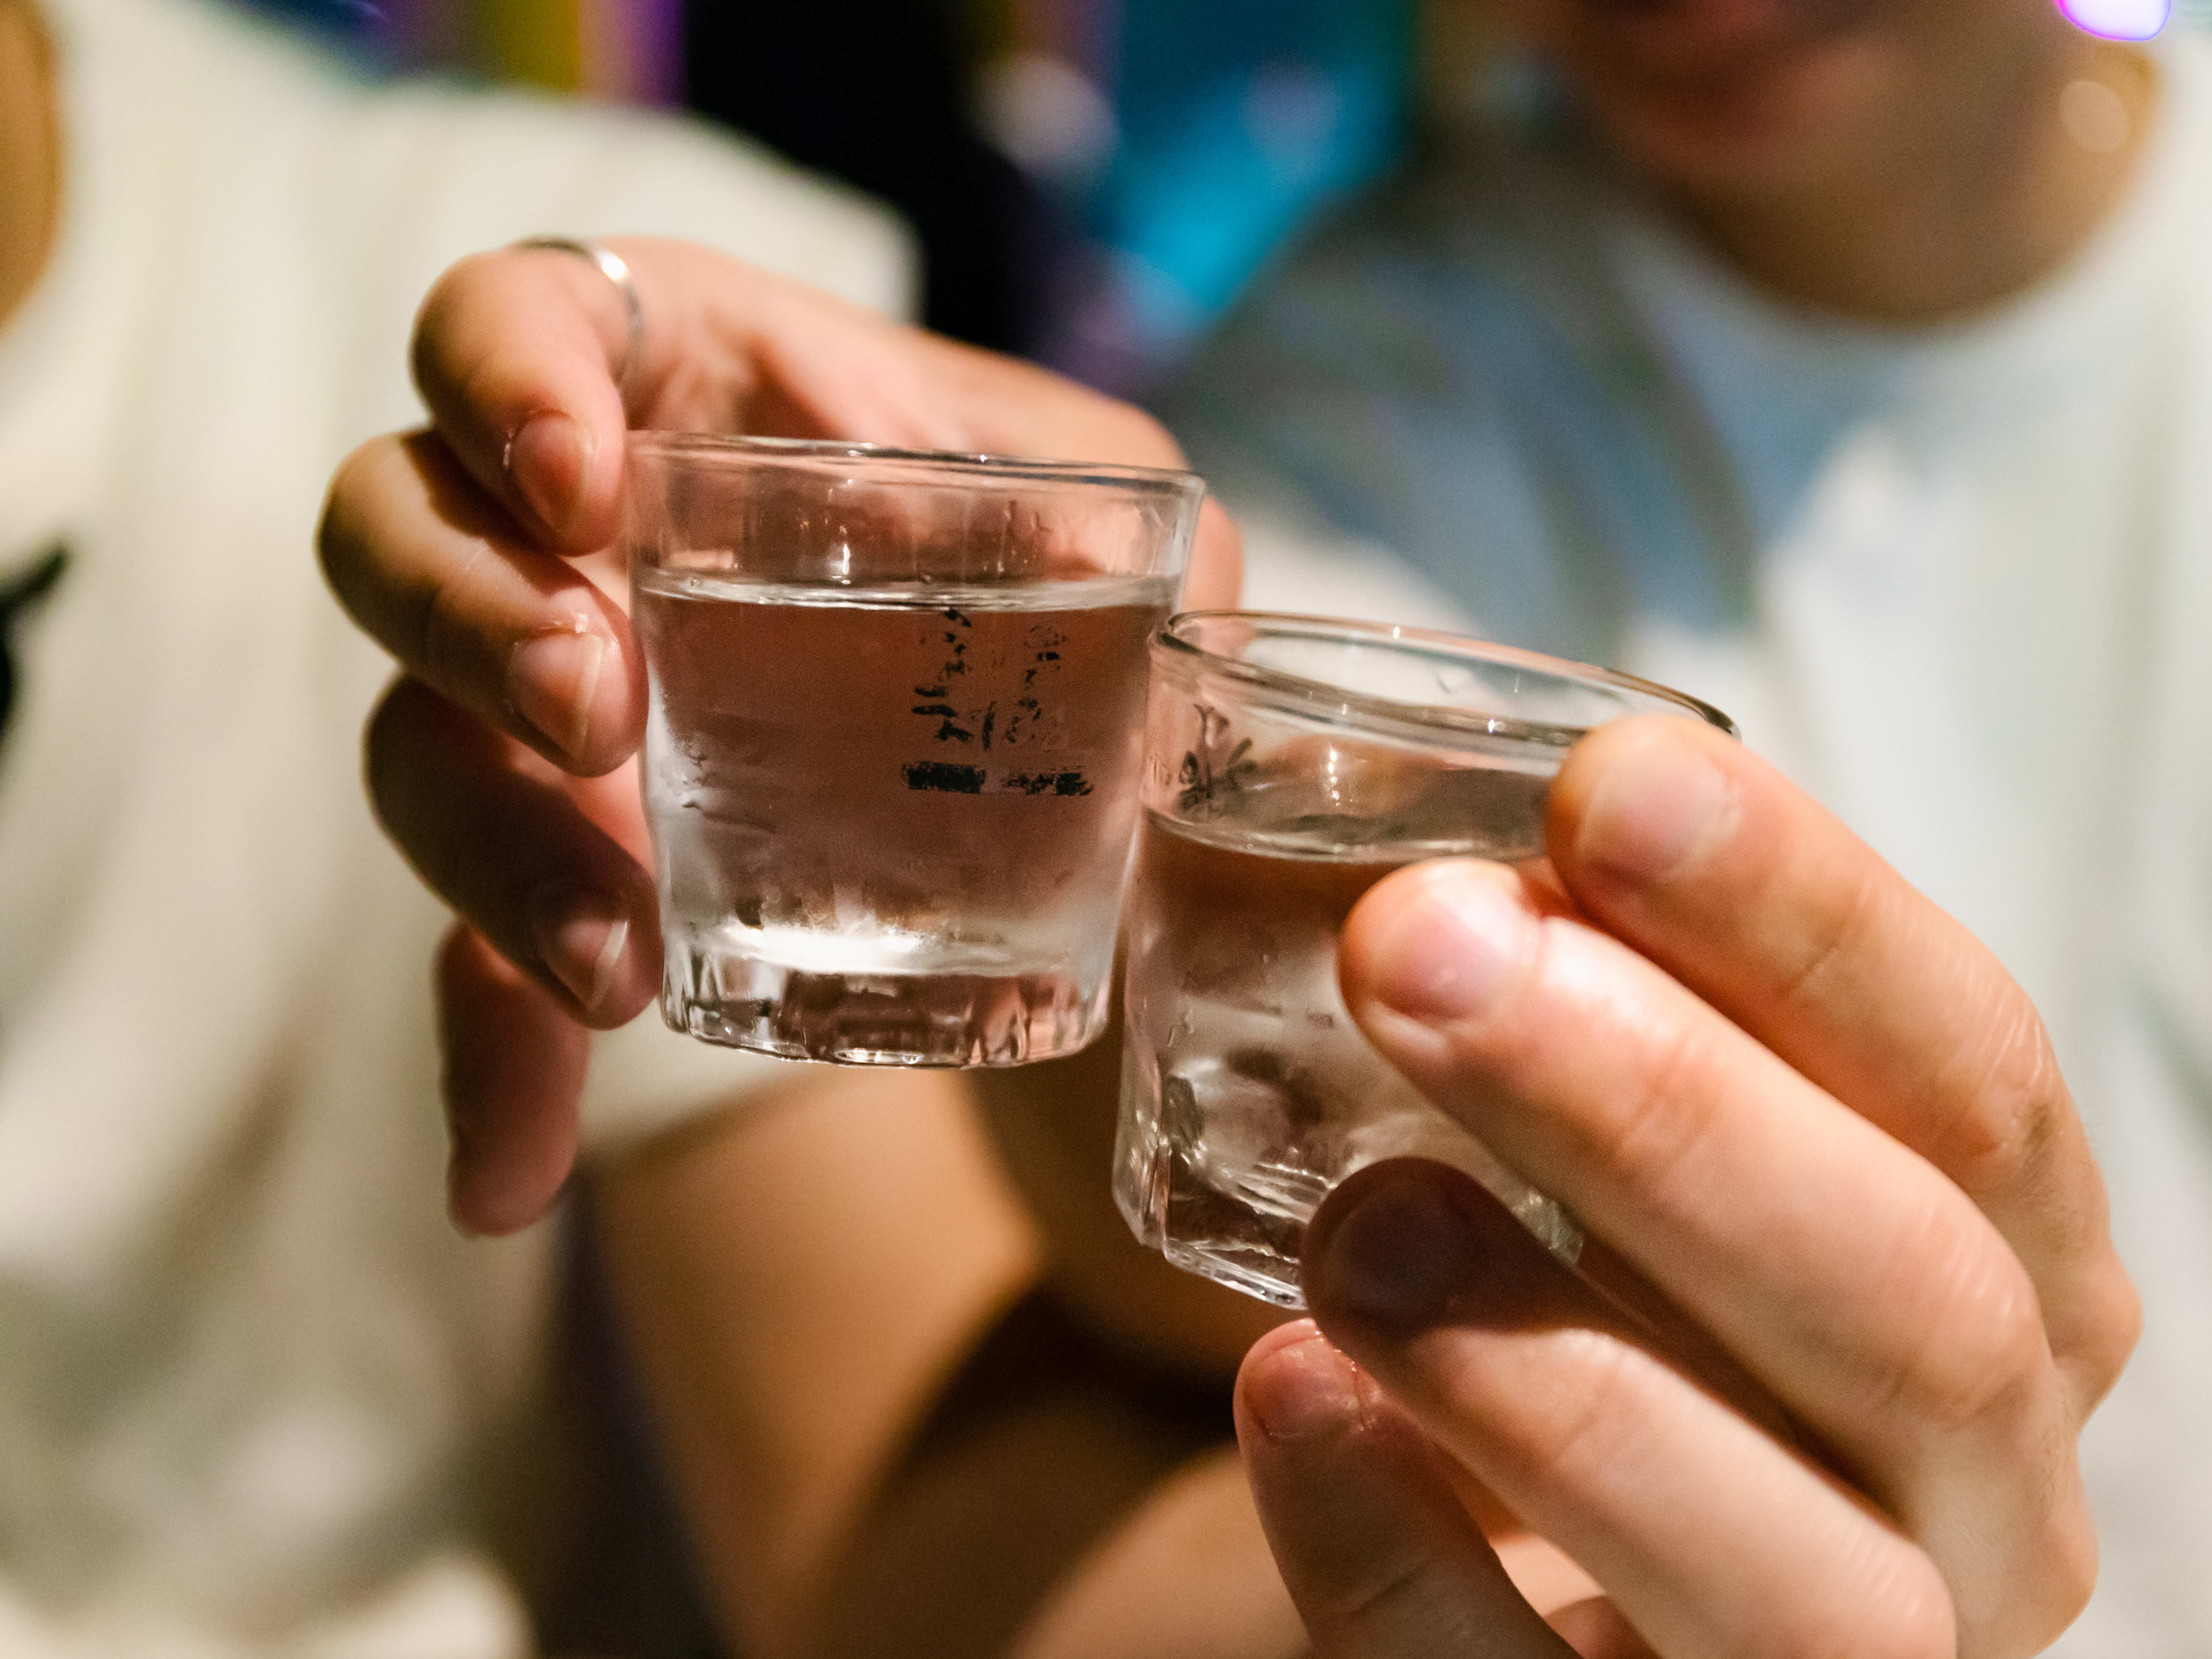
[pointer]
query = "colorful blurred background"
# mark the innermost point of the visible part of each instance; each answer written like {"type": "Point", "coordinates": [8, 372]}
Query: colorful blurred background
{"type": "Point", "coordinates": [1092, 181]}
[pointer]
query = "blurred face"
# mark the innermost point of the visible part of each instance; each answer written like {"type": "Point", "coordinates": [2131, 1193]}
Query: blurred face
{"type": "Point", "coordinates": [1734, 97]}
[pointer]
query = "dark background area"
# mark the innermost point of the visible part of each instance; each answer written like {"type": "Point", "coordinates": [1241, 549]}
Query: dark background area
{"type": "Point", "coordinates": [878, 94]}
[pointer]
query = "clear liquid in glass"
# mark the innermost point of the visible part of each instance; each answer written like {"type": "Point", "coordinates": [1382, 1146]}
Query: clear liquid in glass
{"type": "Point", "coordinates": [892, 824]}
{"type": "Point", "coordinates": [1250, 1093]}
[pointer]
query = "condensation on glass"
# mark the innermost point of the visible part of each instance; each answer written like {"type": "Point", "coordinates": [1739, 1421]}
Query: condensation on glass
{"type": "Point", "coordinates": [895, 718]}
{"type": "Point", "coordinates": [1289, 764]}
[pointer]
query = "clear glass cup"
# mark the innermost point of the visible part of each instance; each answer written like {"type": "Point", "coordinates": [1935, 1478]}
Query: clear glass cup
{"type": "Point", "coordinates": [891, 764]}
{"type": "Point", "coordinates": [1291, 762]}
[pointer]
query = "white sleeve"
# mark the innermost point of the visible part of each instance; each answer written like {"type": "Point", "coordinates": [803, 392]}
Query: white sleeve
{"type": "Point", "coordinates": [616, 172]}
{"type": "Point", "coordinates": [670, 177]}
{"type": "Point", "coordinates": [429, 174]}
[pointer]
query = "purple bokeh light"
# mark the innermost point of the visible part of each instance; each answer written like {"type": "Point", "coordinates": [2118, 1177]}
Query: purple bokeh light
{"type": "Point", "coordinates": [2118, 20]}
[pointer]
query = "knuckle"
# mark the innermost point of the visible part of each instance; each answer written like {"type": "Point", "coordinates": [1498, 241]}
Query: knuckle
{"type": "Point", "coordinates": [1873, 1634]}
{"type": "Point", "coordinates": [1650, 1137]}
{"type": "Point", "coordinates": [2065, 1575]}
{"type": "Point", "coordinates": [389, 742]}
{"type": "Point", "coordinates": [401, 747]}
{"type": "Point", "coordinates": [457, 955]}
{"type": "Point", "coordinates": [339, 537]}
{"type": "Point", "coordinates": [1909, 1615]}
{"type": "Point", "coordinates": [2013, 1107]}
{"type": "Point", "coordinates": [2097, 1346]}
{"type": "Point", "coordinates": [2121, 1327]}
{"type": "Point", "coordinates": [432, 322]}
{"type": "Point", "coordinates": [1593, 1414]}
{"type": "Point", "coordinates": [370, 555]}
{"type": "Point", "coordinates": [1365, 1593]}
{"type": "Point", "coordinates": [447, 650]}
{"type": "Point", "coordinates": [454, 357]}
{"type": "Point", "coordinates": [383, 742]}
{"type": "Point", "coordinates": [423, 792]}
{"type": "Point", "coordinates": [1978, 1347]}
{"type": "Point", "coordinates": [1897, 1607]}
{"type": "Point", "coordinates": [2021, 1605]}
{"type": "Point", "coordinates": [446, 296]}
{"type": "Point", "coordinates": [1841, 917]}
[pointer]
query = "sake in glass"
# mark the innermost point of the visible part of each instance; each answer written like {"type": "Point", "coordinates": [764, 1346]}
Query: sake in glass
{"type": "Point", "coordinates": [895, 723]}
{"type": "Point", "coordinates": [1290, 763]}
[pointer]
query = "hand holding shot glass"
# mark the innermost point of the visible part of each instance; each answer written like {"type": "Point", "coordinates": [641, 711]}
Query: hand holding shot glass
{"type": "Point", "coordinates": [900, 735]}
{"type": "Point", "coordinates": [1290, 763]}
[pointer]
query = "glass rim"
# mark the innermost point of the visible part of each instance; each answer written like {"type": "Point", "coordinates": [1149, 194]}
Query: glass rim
{"type": "Point", "coordinates": [975, 467]}
{"type": "Point", "coordinates": [1319, 698]}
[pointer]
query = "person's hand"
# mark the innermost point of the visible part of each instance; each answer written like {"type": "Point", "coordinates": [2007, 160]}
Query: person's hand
{"type": "Point", "coordinates": [1822, 1123]}
{"type": "Point", "coordinates": [474, 551]}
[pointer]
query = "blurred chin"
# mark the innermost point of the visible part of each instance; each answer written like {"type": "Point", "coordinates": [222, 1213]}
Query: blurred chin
{"type": "Point", "coordinates": [1726, 93]}
{"type": "Point", "coordinates": [1786, 117]}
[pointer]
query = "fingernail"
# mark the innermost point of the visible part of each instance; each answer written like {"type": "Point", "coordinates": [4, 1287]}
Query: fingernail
{"type": "Point", "coordinates": [549, 459]}
{"type": "Point", "coordinates": [581, 936]}
{"type": "Point", "coordinates": [1449, 950]}
{"type": "Point", "coordinates": [1305, 1386]}
{"type": "Point", "coordinates": [553, 681]}
{"type": "Point", "coordinates": [1400, 1253]}
{"type": "Point", "coordinates": [1656, 807]}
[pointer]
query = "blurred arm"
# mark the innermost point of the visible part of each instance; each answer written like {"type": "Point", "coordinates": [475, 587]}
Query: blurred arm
{"type": "Point", "coordinates": [889, 1434]}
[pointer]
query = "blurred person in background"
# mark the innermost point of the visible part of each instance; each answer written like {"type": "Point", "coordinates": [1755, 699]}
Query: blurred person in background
{"type": "Point", "coordinates": [918, 1389]}
{"type": "Point", "coordinates": [1853, 1159]}
{"type": "Point", "coordinates": [1851, 365]}
{"type": "Point", "coordinates": [254, 1393]}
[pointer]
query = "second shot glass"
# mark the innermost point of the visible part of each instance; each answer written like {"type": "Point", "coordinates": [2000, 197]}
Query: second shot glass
{"type": "Point", "coordinates": [1290, 763]}
{"type": "Point", "coordinates": [896, 718]}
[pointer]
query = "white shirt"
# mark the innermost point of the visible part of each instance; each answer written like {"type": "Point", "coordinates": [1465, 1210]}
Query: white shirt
{"type": "Point", "coordinates": [249, 1377]}
{"type": "Point", "coordinates": [1957, 582]}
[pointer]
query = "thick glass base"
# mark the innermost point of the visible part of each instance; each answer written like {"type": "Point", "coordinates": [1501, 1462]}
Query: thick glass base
{"type": "Point", "coordinates": [1245, 1235]}
{"type": "Point", "coordinates": [1242, 1223]}
{"type": "Point", "coordinates": [878, 1019]}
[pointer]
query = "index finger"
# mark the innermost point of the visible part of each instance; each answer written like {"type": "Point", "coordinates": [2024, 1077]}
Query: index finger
{"type": "Point", "coordinates": [1704, 858]}
{"type": "Point", "coordinates": [515, 354]}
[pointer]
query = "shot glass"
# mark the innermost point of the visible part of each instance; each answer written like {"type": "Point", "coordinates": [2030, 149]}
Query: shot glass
{"type": "Point", "coordinates": [895, 724]}
{"type": "Point", "coordinates": [1291, 762]}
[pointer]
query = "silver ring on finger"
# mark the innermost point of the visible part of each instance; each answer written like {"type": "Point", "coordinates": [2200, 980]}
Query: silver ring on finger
{"type": "Point", "coordinates": [615, 269]}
